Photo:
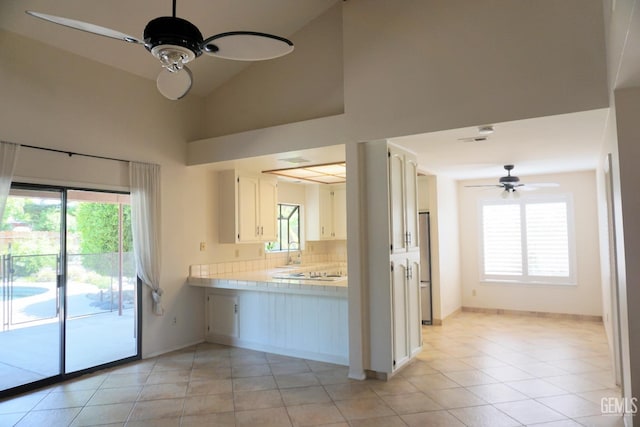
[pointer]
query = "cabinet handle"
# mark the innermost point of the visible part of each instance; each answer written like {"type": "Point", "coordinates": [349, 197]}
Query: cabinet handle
{"type": "Point", "coordinates": [406, 238]}
{"type": "Point", "coordinates": [235, 308]}
{"type": "Point", "coordinates": [261, 230]}
{"type": "Point", "coordinates": [323, 230]}
{"type": "Point", "coordinates": [257, 230]}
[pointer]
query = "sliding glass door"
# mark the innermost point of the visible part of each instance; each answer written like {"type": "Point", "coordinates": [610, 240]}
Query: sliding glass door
{"type": "Point", "coordinates": [31, 245]}
{"type": "Point", "coordinates": [101, 280]}
{"type": "Point", "coordinates": [69, 289]}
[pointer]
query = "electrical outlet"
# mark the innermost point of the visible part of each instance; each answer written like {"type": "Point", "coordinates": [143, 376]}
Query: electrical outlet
{"type": "Point", "coordinates": [260, 251]}
{"type": "Point", "coordinates": [203, 246]}
{"type": "Point", "coordinates": [175, 320]}
{"type": "Point", "coordinates": [237, 253]}
{"type": "Point", "coordinates": [473, 293]}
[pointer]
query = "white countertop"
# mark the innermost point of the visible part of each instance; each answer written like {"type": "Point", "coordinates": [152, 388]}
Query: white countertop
{"type": "Point", "coordinates": [263, 280]}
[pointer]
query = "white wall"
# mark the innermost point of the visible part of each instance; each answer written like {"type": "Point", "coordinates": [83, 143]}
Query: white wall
{"type": "Point", "coordinates": [606, 234]}
{"type": "Point", "coordinates": [621, 141]}
{"type": "Point", "coordinates": [291, 192]}
{"type": "Point", "coordinates": [415, 66]}
{"type": "Point", "coordinates": [627, 203]}
{"type": "Point", "coordinates": [445, 238]}
{"type": "Point", "coordinates": [423, 194]}
{"type": "Point", "coordinates": [53, 99]}
{"type": "Point", "coordinates": [303, 85]}
{"type": "Point", "coordinates": [585, 298]}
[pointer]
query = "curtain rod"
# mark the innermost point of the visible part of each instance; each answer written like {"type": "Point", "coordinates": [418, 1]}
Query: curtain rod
{"type": "Point", "coordinates": [71, 153]}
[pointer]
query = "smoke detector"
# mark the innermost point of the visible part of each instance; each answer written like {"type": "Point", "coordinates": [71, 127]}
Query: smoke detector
{"type": "Point", "coordinates": [485, 130]}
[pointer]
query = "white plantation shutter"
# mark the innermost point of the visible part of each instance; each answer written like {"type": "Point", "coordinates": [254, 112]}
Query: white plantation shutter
{"type": "Point", "coordinates": [527, 241]}
{"type": "Point", "coordinates": [502, 240]}
{"type": "Point", "coordinates": [547, 239]}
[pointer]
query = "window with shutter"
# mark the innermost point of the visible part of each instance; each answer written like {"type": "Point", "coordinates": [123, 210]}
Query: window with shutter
{"type": "Point", "coordinates": [527, 240]}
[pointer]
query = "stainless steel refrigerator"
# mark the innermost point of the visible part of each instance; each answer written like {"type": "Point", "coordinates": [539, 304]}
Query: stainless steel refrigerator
{"type": "Point", "coordinates": [425, 267]}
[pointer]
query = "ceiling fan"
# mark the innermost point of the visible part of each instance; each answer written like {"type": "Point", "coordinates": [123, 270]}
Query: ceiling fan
{"type": "Point", "coordinates": [511, 183]}
{"type": "Point", "coordinates": [175, 42]}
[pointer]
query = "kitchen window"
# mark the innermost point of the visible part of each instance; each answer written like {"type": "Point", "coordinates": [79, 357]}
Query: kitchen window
{"type": "Point", "coordinates": [288, 229]}
{"type": "Point", "coordinates": [527, 240]}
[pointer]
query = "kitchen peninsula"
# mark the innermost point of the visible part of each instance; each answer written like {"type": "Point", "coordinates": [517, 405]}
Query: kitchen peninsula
{"type": "Point", "coordinates": [294, 310]}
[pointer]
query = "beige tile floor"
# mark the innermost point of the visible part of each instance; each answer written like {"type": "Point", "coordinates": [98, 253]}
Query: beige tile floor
{"type": "Point", "coordinates": [476, 370]}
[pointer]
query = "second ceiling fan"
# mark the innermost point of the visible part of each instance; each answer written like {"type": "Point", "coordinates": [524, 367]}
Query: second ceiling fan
{"type": "Point", "coordinates": [175, 42]}
{"type": "Point", "coordinates": [511, 183]}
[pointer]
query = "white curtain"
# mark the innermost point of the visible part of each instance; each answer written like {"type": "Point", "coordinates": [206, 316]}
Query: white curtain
{"type": "Point", "coordinates": [145, 226]}
{"type": "Point", "coordinates": [8, 156]}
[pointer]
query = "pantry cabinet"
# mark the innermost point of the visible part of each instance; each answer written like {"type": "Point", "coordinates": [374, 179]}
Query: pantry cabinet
{"type": "Point", "coordinates": [248, 207]}
{"type": "Point", "coordinates": [393, 267]}
{"type": "Point", "coordinates": [326, 212]}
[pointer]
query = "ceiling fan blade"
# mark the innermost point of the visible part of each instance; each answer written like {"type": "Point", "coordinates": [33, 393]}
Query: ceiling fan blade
{"type": "Point", "coordinates": [542, 184]}
{"type": "Point", "coordinates": [85, 26]}
{"type": "Point", "coordinates": [246, 46]}
{"type": "Point", "coordinates": [485, 185]}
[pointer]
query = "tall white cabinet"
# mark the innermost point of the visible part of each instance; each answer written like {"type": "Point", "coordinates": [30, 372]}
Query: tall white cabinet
{"type": "Point", "coordinates": [393, 267]}
{"type": "Point", "coordinates": [248, 207]}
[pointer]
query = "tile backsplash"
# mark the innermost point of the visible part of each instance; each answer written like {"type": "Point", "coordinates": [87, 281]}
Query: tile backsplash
{"type": "Point", "coordinates": [314, 252]}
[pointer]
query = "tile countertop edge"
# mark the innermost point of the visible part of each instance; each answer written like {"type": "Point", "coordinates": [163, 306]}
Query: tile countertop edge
{"type": "Point", "coordinates": [303, 287]}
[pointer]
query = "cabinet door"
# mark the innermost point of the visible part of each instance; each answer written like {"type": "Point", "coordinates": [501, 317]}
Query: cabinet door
{"type": "Point", "coordinates": [326, 212]}
{"type": "Point", "coordinates": [222, 315]}
{"type": "Point", "coordinates": [414, 314]}
{"type": "Point", "coordinates": [268, 210]}
{"type": "Point", "coordinates": [340, 212]}
{"type": "Point", "coordinates": [396, 201]}
{"type": "Point", "coordinates": [247, 211]}
{"type": "Point", "coordinates": [411, 203]}
{"type": "Point", "coordinates": [399, 305]}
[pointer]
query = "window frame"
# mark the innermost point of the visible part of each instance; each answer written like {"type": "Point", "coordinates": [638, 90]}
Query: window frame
{"type": "Point", "coordinates": [525, 278]}
{"type": "Point", "coordinates": [279, 247]}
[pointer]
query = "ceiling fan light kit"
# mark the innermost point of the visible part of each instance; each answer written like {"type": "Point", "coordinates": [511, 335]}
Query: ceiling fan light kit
{"type": "Point", "coordinates": [175, 42]}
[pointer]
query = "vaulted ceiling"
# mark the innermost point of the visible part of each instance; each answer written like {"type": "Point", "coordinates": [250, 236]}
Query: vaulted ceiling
{"type": "Point", "coordinates": [279, 17]}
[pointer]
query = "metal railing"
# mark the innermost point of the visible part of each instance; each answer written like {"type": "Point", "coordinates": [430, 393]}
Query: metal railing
{"type": "Point", "coordinates": [96, 283]}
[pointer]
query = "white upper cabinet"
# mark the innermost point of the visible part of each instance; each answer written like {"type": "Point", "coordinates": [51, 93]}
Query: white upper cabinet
{"type": "Point", "coordinates": [326, 212]}
{"type": "Point", "coordinates": [247, 207]}
{"type": "Point", "coordinates": [340, 211]}
{"type": "Point", "coordinates": [268, 219]}
{"type": "Point", "coordinates": [403, 201]}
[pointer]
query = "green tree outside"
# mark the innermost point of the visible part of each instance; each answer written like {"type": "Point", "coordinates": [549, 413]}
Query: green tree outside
{"type": "Point", "coordinates": [97, 226]}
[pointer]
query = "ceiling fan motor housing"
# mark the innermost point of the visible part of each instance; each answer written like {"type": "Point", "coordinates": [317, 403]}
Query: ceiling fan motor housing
{"type": "Point", "coordinates": [509, 180]}
{"type": "Point", "coordinates": [168, 30]}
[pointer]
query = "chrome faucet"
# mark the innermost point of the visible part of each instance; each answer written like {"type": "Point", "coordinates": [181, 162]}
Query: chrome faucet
{"type": "Point", "coordinates": [290, 260]}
